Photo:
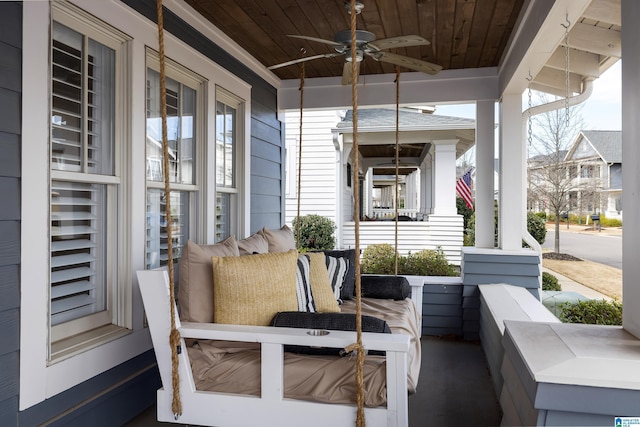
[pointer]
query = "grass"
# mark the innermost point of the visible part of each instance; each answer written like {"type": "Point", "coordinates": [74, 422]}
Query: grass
{"type": "Point", "coordinates": [602, 278]}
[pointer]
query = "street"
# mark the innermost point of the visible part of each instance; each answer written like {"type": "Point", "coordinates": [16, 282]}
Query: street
{"type": "Point", "coordinates": [591, 246]}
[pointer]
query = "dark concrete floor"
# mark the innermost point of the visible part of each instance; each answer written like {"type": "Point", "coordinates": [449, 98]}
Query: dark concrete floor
{"type": "Point", "coordinates": [454, 388]}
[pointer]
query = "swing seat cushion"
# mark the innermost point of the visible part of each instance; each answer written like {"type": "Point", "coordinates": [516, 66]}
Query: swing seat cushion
{"type": "Point", "coordinates": [195, 290]}
{"type": "Point", "coordinates": [251, 289]}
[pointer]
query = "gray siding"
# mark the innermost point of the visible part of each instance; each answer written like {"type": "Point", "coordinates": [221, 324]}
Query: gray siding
{"type": "Point", "coordinates": [442, 309]}
{"type": "Point", "coordinates": [480, 268]}
{"type": "Point", "coordinates": [10, 124]}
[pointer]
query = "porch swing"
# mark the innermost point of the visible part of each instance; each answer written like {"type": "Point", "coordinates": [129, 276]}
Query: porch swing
{"type": "Point", "coordinates": [179, 400]}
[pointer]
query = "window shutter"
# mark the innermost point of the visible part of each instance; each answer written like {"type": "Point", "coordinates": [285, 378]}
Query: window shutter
{"type": "Point", "coordinates": [77, 227]}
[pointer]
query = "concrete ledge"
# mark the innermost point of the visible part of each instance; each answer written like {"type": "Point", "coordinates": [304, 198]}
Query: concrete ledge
{"type": "Point", "coordinates": [571, 374]}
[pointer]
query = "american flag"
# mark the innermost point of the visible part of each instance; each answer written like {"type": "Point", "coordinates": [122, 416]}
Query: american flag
{"type": "Point", "coordinates": [463, 187]}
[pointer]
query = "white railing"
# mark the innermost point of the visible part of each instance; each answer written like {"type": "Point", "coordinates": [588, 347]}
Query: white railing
{"type": "Point", "coordinates": [413, 236]}
{"type": "Point", "coordinates": [385, 213]}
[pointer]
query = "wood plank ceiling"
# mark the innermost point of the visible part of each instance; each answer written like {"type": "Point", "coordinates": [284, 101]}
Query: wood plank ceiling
{"type": "Point", "coordinates": [463, 33]}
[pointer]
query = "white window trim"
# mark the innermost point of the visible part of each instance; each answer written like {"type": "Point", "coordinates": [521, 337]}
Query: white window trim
{"type": "Point", "coordinates": [38, 379]}
{"type": "Point", "coordinates": [240, 167]}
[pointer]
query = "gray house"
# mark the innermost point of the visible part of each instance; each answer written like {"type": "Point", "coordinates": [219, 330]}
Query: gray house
{"type": "Point", "coordinates": [593, 169]}
{"type": "Point", "coordinates": [82, 208]}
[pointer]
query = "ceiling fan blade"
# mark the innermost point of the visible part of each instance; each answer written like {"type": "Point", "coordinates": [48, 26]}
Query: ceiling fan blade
{"type": "Point", "coordinates": [315, 39]}
{"type": "Point", "coordinates": [347, 76]}
{"type": "Point", "coordinates": [307, 58]}
{"type": "Point", "coordinates": [400, 41]}
{"type": "Point", "coordinates": [405, 61]}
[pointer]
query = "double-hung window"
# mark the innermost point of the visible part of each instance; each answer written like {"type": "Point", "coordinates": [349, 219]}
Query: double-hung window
{"type": "Point", "coordinates": [85, 181]}
{"type": "Point", "coordinates": [183, 96]}
{"type": "Point", "coordinates": [229, 113]}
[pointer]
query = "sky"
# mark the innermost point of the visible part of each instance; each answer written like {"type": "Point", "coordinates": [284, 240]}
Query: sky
{"type": "Point", "coordinates": [602, 111]}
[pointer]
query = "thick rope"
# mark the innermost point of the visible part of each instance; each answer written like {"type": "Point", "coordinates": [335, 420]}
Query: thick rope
{"type": "Point", "coordinates": [395, 264]}
{"type": "Point", "coordinates": [174, 336]}
{"type": "Point", "coordinates": [360, 355]}
{"type": "Point", "coordinates": [299, 228]}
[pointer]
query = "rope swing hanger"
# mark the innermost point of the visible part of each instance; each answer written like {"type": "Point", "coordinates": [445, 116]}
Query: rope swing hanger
{"type": "Point", "coordinates": [174, 335]}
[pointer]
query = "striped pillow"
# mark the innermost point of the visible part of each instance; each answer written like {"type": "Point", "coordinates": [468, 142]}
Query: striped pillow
{"type": "Point", "coordinates": [303, 285]}
{"type": "Point", "coordinates": [337, 268]}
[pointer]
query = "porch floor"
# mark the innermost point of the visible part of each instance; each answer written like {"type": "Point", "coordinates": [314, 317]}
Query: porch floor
{"type": "Point", "coordinates": [454, 388]}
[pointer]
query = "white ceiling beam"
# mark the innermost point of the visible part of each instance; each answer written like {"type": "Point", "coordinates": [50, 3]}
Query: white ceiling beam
{"type": "Point", "coordinates": [580, 62]}
{"type": "Point", "coordinates": [595, 39]}
{"type": "Point", "coordinates": [605, 11]}
{"type": "Point", "coordinates": [557, 78]}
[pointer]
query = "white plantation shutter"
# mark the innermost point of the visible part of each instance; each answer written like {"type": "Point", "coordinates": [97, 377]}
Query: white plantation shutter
{"type": "Point", "coordinates": [77, 249]}
{"type": "Point", "coordinates": [82, 172]}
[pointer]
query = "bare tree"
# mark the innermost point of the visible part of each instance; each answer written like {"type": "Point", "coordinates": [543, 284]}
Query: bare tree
{"type": "Point", "coordinates": [551, 179]}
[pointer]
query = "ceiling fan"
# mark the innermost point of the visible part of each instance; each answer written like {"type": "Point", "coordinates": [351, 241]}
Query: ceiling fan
{"type": "Point", "coordinates": [367, 45]}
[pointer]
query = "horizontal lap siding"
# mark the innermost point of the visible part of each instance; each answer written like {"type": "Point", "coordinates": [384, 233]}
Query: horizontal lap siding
{"type": "Point", "coordinates": [521, 270]}
{"type": "Point", "coordinates": [10, 147]}
{"type": "Point", "coordinates": [319, 188]}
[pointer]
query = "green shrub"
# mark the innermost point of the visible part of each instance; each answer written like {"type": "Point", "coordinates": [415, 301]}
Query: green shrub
{"type": "Point", "coordinates": [427, 263]}
{"type": "Point", "coordinates": [316, 232]}
{"type": "Point", "coordinates": [541, 214]}
{"type": "Point", "coordinates": [593, 312]}
{"type": "Point", "coordinates": [550, 282]}
{"type": "Point", "coordinates": [380, 259]}
{"type": "Point", "coordinates": [536, 227]}
{"type": "Point", "coordinates": [610, 222]}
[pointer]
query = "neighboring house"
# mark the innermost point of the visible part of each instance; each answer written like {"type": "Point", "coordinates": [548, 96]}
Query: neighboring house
{"type": "Point", "coordinates": [429, 146]}
{"type": "Point", "coordinates": [592, 169]}
{"type": "Point", "coordinates": [83, 209]}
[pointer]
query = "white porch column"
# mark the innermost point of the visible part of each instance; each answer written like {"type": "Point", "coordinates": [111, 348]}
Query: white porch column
{"type": "Point", "coordinates": [369, 188]}
{"type": "Point", "coordinates": [426, 185]}
{"type": "Point", "coordinates": [630, 170]}
{"type": "Point", "coordinates": [512, 173]}
{"type": "Point", "coordinates": [485, 123]}
{"type": "Point", "coordinates": [444, 200]}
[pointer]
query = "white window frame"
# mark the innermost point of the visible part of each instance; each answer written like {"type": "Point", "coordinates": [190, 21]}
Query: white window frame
{"type": "Point", "coordinates": [238, 209]}
{"type": "Point", "coordinates": [61, 344]}
{"type": "Point", "coordinates": [40, 379]}
{"type": "Point", "coordinates": [181, 74]}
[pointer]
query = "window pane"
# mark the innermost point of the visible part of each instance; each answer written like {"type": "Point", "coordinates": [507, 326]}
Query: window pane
{"type": "Point", "coordinates": [225, 145]}
{"type": "Point", "coordinates": [181, 107]}
{"type": "Point", "coordinates": [78, 230]}
{"type": "Point", "coordinates": [83, 103]}
{"type": "Point", "coordinates": [157, 246]}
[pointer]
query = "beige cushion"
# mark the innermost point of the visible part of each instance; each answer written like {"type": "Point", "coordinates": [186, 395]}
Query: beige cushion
{"type": "Point", "coordinates": [195, 284]}
{"type": "Point", "coordinates": [254, 244]}
{"type": "Point", "coordinates": [323, 296]}
{"type": "Point", "coordinates": [279, 240]}
{"type": "Point", "coordinates": [251, 289]}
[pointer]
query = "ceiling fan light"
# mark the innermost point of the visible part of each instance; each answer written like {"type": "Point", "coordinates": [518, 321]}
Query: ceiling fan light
{"type": "Point", "coordinates": [359, 56]}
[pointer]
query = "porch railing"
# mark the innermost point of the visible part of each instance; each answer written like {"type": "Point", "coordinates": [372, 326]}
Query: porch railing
{"type": "Point", "coordinates": [413, 236]}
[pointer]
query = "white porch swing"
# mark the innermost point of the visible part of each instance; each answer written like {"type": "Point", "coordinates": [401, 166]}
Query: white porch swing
{"type": "Point", "coordinates": [179, 401]}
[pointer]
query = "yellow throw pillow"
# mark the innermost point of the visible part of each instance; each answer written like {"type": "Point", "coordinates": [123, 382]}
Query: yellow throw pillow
{"type": "Point", "coordinates": [320, 285]}
{"type": "Point", "coordinates": [251, 289]}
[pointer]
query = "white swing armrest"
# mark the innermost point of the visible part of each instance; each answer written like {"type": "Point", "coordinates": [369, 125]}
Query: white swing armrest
{"type": "Point", "coordinates": [293, 336]}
